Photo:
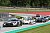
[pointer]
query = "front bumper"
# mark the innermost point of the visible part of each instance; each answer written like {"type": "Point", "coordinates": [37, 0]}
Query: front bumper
{"type": "Point", "coordinates": [8, 25]}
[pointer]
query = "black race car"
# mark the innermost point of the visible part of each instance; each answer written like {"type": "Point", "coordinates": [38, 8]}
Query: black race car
{"type": "Point", "coordinates": [41, 20]}
{"type": "Point", "coordinates": [12, 22]}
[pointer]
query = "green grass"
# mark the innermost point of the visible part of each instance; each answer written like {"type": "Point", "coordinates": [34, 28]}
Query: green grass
{"type": "Point", "coordinates": [24, 10]}
{"type": "Point", "coordinates": [44, 29]}
{"type": "Point", "coordinates": [13, 10]}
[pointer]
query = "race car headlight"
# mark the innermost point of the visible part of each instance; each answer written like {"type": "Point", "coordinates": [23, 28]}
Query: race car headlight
{"type": "Point", "coordinates": [4, 23]}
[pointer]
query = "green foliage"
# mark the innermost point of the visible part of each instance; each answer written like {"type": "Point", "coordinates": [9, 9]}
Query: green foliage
{"type": "Point", "coordinates": [25, 3]}
{"type": "Point", "coordinates": [4, 2]}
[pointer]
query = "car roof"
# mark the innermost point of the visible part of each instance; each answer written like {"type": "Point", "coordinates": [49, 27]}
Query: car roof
{"type": "Point", "coordinates": [14, 18]}
{"type": "Point", "coordinates": [6, 19]}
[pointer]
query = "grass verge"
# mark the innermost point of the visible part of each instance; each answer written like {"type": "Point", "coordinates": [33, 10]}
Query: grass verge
{"type": "Point", "coordinates": [44, 29]}
{"type": "Point", "coordinates": [24, 10]}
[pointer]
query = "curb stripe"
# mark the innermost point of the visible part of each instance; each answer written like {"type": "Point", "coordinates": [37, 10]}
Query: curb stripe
{"type": "Point", "coordinates": [23, 29]}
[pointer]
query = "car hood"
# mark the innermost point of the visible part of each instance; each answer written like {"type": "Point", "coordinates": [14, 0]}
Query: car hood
{"type": "Point", "coordinates": [10, 21]}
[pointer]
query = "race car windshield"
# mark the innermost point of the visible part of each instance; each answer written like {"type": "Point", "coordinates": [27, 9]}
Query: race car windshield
{"type": "Point", "coordinates": [13, 20]}
{"type": "Point", "coordinates": [27, 18]}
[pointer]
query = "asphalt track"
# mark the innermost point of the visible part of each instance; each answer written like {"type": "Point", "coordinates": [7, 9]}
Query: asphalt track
{"type": "Point", "coordinates": [6, 29]}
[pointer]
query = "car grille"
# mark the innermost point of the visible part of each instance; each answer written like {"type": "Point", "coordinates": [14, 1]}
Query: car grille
{"type": "Point", "coordinates": [10, 24]}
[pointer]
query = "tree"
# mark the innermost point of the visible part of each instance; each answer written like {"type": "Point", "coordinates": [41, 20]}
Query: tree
{"type": "Point", "coordinates": [24, 3]}
{"type": "Point", "coordinates": [13, 2]}
{"type": "Point", "coordinates": [4, 2]}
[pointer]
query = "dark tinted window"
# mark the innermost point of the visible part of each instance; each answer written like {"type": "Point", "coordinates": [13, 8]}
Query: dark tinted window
{"type": "Point", "coordinates": [14, 20]}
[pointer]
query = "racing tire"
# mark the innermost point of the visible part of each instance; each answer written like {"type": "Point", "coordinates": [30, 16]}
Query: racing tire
{"type": "Point", "coordinates": [21, 23]}
{"type": "Point", "coordinates": [17, 24]}
{"type": "Point", "coordinates": [30, 23]}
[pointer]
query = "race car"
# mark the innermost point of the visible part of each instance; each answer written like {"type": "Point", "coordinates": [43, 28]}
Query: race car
{"type": "Point", "coordinates": [41, 20]}
{"type": "Point", "coordinates": [12, 22]}
{"type": "Point", "coordinates": [28, 20]}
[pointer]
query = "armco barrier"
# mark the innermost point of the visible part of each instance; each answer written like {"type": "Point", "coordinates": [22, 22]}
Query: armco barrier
{"type": "Point", "coordinates": [23, 29]}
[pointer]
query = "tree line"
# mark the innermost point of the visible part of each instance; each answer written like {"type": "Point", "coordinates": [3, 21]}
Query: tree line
{"type": "Point", "coordinates": [25, 3]}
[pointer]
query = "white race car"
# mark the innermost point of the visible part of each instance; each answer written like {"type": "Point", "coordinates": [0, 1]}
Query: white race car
{"type": "Point", "coordinates": [28, 20]}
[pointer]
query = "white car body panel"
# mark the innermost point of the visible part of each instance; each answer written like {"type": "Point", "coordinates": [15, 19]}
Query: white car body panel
{"type": "Point", "coordinates": [25, 21]}
{"type": "Point", "coordinates": [28, 21]}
